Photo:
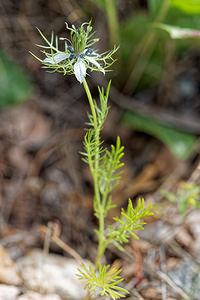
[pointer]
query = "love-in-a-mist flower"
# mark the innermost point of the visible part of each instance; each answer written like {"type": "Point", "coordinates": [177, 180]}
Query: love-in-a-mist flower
{"type": "Point", "coordinates": [78, 55]}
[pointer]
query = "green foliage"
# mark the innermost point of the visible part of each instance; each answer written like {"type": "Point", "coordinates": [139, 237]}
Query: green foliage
{"type": "Point", "coordinates": [92, 148]}
{"type": "Point", "coordinates": [92, 144]}
{"type": "Point", "coordinates": [187, 6]}
{"type": "Point", "coordinates": [134, 51]}
{"type": "Point", "coordinates": [180, 143]}
{"type": "Point", "coordinates": [187, 194]}
{"type": "Point", "coordinates": [131, 32]}
{"type": "Point", "coordinates": [104, 282]}
{"type": "Point", "coordinates": [102, 111]}
{"type": "Point", "coordinates": [15, 87]}
{"type": "Point", "coordinates": [154, 6]}
{"type": "Point", "coordinates": [105, 165]}
{"type": "Point", "coordinates": [110, 164]}
{"type": "Point", "coordinates": [143, 47]}
{"type": "Point", "coordinates": [129, 221]}
{"type": "Point", "coordinates": [102, 3]}
{"type": "Point", "coordinates": [141, 54]}
{"type": "Point", "coordinates": [110, 9]}
{"type": "Point", "coordinates": [177, 17]}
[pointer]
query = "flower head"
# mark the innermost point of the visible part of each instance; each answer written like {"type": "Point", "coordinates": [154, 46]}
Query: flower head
{"type": "Point", "coordinates": [78, 56]}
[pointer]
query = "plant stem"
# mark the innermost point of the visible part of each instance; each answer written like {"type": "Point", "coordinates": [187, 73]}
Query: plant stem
{"type": "Point", "coordinates": [87, 90]}
{"type": "Point", "coordinates": [97, 197]}
{"type": "Point", "coordinates": [92, 107]}
{"type": "Point", "coordinates": [113, 23]}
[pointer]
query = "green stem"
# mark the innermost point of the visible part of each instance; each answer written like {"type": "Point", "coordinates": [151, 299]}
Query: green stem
{"type": "Point", "coordinates": [101, 247]}
{"type": "Point", "coordinates": [162, 12]}
{"type": "Point", "coordinates": [91, 103]}
{"type": "Point", "coordinates": [113, 23]}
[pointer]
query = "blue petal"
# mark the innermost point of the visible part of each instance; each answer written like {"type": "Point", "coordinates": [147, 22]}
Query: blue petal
{"type": "Point", "coordinates": [56, 58]}
{"type": "Point", "coordinates": [80, 70]}
{"type": "Point", "coordinates": [95, 63]}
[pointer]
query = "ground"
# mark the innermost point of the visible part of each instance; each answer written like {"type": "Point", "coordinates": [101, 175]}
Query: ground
{"type": "Point", "coordinates": [46, 196]}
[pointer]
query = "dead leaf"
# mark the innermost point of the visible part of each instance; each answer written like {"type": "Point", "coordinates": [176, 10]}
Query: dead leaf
{"type": "Point", "coordinates": [151, 293]}
{"type": "Point", "coordinates": [184, 238]}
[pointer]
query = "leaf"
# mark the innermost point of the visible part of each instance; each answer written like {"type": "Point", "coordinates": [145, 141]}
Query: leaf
{"type": "Point", "coordinates": [14, 84]}
{"type": "Point", "coordinates": [56, 58]}
{"type": "Point", "coordinates": [128, 222]}
{"type": "Point", "coordinates": [179, 32]}
{"type": "Point", "coordinates": [133, 30]}
{"type": "Point", "coordinates": [180, 143]}
{"type": "Point", "coordinates": [80, 70]}
{"type": "Point", "coordinates": [154, 6]}
{"type": "Point", "coordinates": [177, 17]}
{"type": "Point", "coordinates": [102, 3]}
{"type": "Point", "coordinates": [187, 6]}
{"type": "Point", "coordinates": [104, 282]}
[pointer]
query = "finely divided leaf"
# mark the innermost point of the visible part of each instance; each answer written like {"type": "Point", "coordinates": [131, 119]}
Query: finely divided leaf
{"type": "Point", "coordinates": [104, 282]}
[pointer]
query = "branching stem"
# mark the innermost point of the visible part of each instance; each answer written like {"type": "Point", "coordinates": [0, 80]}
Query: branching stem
{"type": "Point", "coordinates": [101, 247]}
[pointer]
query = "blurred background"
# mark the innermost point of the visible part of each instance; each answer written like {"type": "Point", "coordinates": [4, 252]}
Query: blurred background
{"type": "Point", "coordinates": [154, 100]}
